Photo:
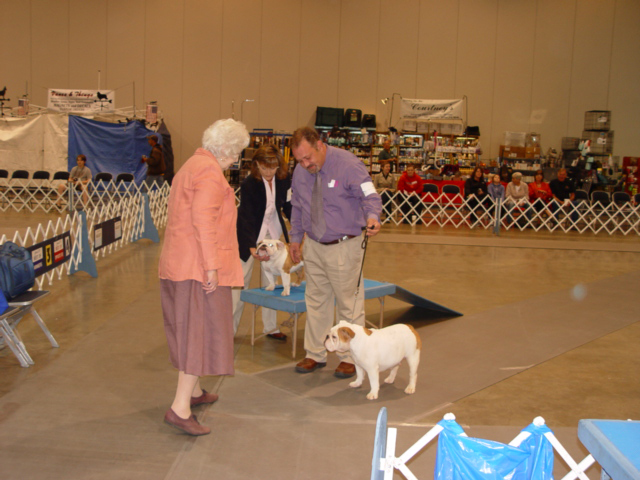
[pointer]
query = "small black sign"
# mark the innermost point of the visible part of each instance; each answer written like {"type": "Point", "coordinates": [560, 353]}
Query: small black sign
{"type": "Point", "coordinates": [50, 253]}
{"type": "Point", "coordinates": [107, 232]}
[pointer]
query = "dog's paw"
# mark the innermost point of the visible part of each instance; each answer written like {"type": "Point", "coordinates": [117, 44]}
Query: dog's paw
{"type": "Point", "coordinates": [372, 396]}
{"type": "Point", "coordinates": [285, 293]}
{"type": "Point", "coordinates": [389, 379]}
{"type": "Point", "coordinates": [270, 288]}
{"type": "Point", "coordinates": [293, 284]}
{"type": "Point", "coordinates": [409, 390]}
{"type": "Point", "coordinates": [355, 384]}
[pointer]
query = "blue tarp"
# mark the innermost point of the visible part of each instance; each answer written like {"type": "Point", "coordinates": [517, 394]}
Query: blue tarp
{"type": "Point", "coordinates": [467, 458]}
{"type": "Point", "coordinates": [110, 147]}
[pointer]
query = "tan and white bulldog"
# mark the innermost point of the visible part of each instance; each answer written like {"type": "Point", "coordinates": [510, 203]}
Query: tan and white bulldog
{"type": "Point", "coordinates": [279, 264]}
{"type": "Point", "coordinates": [374, 351]}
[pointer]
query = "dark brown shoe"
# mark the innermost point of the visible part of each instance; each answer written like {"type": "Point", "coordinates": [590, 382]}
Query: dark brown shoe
{"type": "Point", "coordinates": [281, 337]}
{"type": "Point", "coordinates": [308, 365]}
{"type": "Point", "coordinates": [345, 370]}
{"type": "Point", "coordinates": [189, 425]}
{"type": "Point", "coordinates": [203, 399]}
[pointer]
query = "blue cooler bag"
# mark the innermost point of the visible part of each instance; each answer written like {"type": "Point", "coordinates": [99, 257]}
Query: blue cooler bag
{"type": "Point", "coordinates": [16, 270]}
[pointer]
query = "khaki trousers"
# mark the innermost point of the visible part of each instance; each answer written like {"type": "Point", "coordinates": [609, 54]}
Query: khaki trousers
{"type": "Point", "coordinates": [332, 277]}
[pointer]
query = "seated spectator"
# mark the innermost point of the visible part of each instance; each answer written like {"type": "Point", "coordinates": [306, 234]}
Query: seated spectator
{"type": "Point", "coordinates": [539, 192]}
{"type": "Point", "coordinates": [409, 183]}
{"type": "Point", "coordinates": [385, 183]}
{"type": "Point", "coordinates": [496, 189]}
{"type": "Point", "coordinates": [517, 190]}
{"type": "Point", "coordinates": [518, 194]}
{"type": "Point", "coordinates": [475, 191]}
{"type": "Point", "coordinates": [564, 194]}
{"type": "Point", "coordinates": [79, 176]}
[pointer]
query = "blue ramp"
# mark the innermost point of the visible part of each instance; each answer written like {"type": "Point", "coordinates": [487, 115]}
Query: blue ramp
{"type": "Point", "coordinates": [295, 303]}
{"type": "Point", "coordinates": [421, 302]}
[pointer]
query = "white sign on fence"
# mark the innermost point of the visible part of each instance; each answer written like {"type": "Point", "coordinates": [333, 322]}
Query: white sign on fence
{"type": "Point", "coordinates": [81, 101]}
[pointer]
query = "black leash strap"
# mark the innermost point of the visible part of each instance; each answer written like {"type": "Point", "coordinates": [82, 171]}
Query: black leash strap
{"type": "Point", "coordinates": [365, 242]}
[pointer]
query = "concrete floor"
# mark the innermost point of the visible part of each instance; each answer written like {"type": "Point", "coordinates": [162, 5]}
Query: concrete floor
{"type": "Point", "coordinates": [529, 343]}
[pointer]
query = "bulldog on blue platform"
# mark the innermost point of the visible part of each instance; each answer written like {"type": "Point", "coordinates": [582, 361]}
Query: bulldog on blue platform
{"type": "Point", "coordinates": [279, 264]}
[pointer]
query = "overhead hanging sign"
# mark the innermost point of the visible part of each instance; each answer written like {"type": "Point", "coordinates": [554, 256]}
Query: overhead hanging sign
{"type": "Point", "coordinates": [420, 109]}
{"type": "Point", "coordinates": [81, 101]}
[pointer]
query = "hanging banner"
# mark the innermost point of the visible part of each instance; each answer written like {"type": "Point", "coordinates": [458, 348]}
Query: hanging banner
{"type": "Point", "coordinates": [81, 101]}
{"type": "Point", "coordinates": [419, 109]}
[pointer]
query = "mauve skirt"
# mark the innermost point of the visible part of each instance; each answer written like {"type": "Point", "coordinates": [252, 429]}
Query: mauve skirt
{"type": "Point", "coordinates": [199, 327]}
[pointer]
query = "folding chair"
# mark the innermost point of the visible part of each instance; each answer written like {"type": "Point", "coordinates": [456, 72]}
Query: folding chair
{"type": "Point", "coordinates": [603, 199]}
{"type": "Point", "coordinates": [451, 201]}
{"type": "Point", "coordinates": [621, 198]}
{"type": "Point", "coordinates": [124, 184]}
{"type": "Point", "coordinates": [451, 189]}
{"type": "Point", "coordinates": [430, 196]}
{"type": "Point", "coordinates": [124, 177]}
{"type": "Point", "coordinates": [39, 183]}
{"type": "Point", "coordinates": [4, 174]}
{"type": "Point", "coordinates": [61, 175]}
{"type": "Point", "coordinates": [105, 177]}
{"type": "Point", "coordinates": [581, 195]}
{"type": "Point", "coordinates": [21, 186]}
{"type": "Point", "coordinates": [600, 204]}
{"type": "Point", "coordinates": [25, 304]}
{"type": "Point", "coordinates": [10, 338]}
{"type": "Point", "coordinates": [101, 184]}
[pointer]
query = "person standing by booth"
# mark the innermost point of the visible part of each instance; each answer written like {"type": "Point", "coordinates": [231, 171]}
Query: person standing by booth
{"type": "Point", "coordinates": [155, 163]}
{"type": "Point", "coordinates": [198, 266]}
{"type": "Point", "coordinates": [333, 200]}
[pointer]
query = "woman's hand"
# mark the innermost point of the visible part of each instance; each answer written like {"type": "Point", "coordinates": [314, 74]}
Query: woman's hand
{"type": "Point", "coordinates": [210, 281]}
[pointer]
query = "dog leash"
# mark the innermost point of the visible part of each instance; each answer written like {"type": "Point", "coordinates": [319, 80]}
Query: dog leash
{"type": "Point", "coordinates": [364, 244]}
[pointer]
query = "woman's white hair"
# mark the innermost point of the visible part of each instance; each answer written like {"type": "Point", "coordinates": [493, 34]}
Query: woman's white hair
{"type": "Point", "coordinates": [226, 138]}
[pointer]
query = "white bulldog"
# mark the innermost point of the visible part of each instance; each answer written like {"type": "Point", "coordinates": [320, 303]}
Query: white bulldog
{"type": "Point", "coordinates": [279, 264]}
{"type": "Point", "coordinates": [374, 351]}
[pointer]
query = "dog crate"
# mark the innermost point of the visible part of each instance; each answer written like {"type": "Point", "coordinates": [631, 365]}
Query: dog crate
{"type": "Point", "coordinates": [601, 142]}
{"type": "Point", "coordinates": [597, 120]}
{"type": "Point", "coordinates": [570, 143]}
{"type": "Point", "coordinates": [329, 117]}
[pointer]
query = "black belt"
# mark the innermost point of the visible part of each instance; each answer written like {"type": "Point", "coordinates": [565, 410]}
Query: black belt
{"type": "Point", "coordinates": [339, 240]}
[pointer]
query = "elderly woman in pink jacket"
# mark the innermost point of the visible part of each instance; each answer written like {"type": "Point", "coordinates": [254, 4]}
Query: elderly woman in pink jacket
{"type": "Point", "coordinates": [198, 266]}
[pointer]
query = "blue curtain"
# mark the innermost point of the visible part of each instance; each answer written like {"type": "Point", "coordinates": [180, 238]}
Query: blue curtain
{"type": "Point", "coordinates": [110, 147]}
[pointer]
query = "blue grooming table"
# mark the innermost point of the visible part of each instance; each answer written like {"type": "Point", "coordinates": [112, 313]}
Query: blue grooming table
{"type": "Point", "coordinates": [295, 304]}
{"type": "Point", "coordinates": [615, 445]}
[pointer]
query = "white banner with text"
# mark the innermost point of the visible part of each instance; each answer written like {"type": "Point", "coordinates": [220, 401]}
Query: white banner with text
{"type": "Point", "coordinates": [420, 109]}
{"type": "Point", "coordinates": [81, 101]}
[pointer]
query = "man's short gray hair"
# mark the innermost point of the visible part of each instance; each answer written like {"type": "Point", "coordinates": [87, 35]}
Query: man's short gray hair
{"type": "Point", "coordinates": [226, 138]}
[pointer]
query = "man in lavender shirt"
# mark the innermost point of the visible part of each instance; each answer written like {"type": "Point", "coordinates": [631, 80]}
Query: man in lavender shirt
{"type": "Point", "coordinates": [332, 262]}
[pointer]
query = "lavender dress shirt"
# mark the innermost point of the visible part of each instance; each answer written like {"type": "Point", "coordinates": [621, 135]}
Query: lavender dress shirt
{"type": "Point", "coordinates": [348, 196]}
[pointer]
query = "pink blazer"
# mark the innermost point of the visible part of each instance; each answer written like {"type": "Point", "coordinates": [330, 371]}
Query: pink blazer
{"type": "Point", "coordinates": [201, 226]}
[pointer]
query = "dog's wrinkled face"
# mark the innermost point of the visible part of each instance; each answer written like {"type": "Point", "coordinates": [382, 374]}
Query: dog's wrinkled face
{"type": "Point", "coordinates": [269, 247]}
{"type": "Point", "coordinates": [338, 339]}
